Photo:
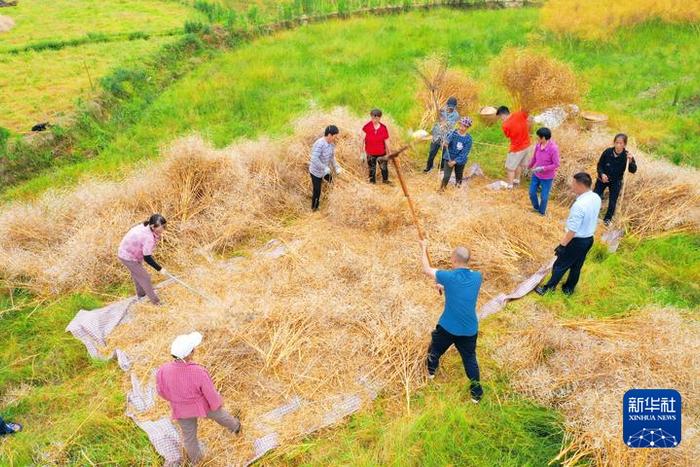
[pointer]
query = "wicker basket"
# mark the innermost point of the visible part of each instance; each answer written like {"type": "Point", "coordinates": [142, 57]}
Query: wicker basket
{"type": "Point", "coordinates": [594, 120]}
{"type": "Point", "coordinates": [488, 115]}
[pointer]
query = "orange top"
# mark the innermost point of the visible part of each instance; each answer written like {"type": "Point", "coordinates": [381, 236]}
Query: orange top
{"type": "Point", "coordinates": [515, 128]}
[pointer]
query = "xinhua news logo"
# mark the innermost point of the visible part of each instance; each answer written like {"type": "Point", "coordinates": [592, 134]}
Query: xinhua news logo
{"type": "Point", "coordinates": [651, 418]}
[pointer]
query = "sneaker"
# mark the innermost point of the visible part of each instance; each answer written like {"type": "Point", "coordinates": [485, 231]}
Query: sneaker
{"type": "Point", "coordinates": [541, 290]}
{"type": "Point", "coordinates": [373, 182]}
{"type": "Point", "coordinates": [516, 182]}
{"type": "Point", "coordinates": [566, 291]}
{"type": "Point", "coordinates": [607, 222]}
{"type": "Point", "coordinates": [475, 401]}
{"type": "Point", "coordinates": [509, 187]}
{"type": "Point", "coordinates": [425, 171]}
{"type": "Point", "coordinates": [431, 376]}
{"type": "Point", "coordinates": [387, 182]}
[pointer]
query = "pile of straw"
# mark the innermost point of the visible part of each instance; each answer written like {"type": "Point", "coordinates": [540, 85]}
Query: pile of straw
{"type": "Point", "coordinates": [659, 198]}
{"type": "Point", "coordinates": [583, 367]}
{"type": "Point", "coordinates": [536, 81]}
{"type": "Point", "coordinates": [214, 200]}
{"type": "Point", "coordinates": [439, 83]}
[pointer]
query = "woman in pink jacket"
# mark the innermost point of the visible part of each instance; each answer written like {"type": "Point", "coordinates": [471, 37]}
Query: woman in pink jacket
{"type": "Point", "coordinates": [544, 164]}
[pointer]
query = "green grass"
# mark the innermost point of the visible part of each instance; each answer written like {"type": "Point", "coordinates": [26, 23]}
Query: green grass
{"type": "Point", "coordinates": [44, 85]}
{"type": "Point", "coordinates": [41, 20]}
{"type": "Point", "coordinates": [663, 271]}
{"type": "Point", "coordinates": [72, 407]}
{"type": "Point", "coordinates": [442, 427]}
{"type": "Point", "coordinates": [261, 87]}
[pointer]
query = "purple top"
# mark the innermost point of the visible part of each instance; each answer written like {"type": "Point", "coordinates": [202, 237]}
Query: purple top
{"type": "Point", "coordinates": [547, 158]}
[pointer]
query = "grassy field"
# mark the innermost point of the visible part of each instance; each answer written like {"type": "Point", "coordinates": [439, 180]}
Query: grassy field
{"type": "Point", "coordinates": [48, 382]}
{"type": "Point", "coordinates": [36, 98]}
{"type": "Point", "coordinates": [44, 83]}
{"type": "Point", "coordinates": [40, 20]}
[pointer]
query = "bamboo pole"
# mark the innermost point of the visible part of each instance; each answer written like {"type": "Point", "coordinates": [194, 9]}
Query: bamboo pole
{"type": "Point", "coordinates": [397, 166]}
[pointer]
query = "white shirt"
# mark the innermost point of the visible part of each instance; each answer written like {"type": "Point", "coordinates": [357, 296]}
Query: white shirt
{"type": "Point", "coordinates": [583, 216]}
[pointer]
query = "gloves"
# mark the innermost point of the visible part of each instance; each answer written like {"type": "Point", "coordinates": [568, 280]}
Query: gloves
{"type": "Point", "coordinates": [537, 169]}
{"type": "Point", "coordinates": [559, 250]}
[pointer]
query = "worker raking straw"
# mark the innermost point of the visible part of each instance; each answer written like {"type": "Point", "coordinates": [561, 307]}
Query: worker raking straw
{"type": "Point", "coordinates": [322, 163]}
{"type": "Point", "coordinates": [136, 247]}
{"type": "Point", "coordinates": [458, 323]}
{"type": "Point", "coordinates": [446, 123]}
{"type": "Point", "coordinates": [190, 391]}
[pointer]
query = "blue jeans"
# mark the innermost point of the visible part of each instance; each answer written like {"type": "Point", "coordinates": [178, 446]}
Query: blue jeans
{"type": "Point", "coordinates": [540, 204]}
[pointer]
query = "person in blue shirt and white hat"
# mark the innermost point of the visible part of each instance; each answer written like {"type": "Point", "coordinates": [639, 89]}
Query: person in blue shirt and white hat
{"type": "Point", "coordinates": [459, 144]}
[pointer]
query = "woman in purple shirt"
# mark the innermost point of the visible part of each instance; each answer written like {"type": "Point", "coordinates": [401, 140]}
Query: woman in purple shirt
{"type": "Point", "coordinates": [544, 164]}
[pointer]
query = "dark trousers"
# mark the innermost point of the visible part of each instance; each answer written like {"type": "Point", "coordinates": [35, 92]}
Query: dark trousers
{"type": "Point", "coordinates": [570, 260]}
{"type": "Point", "coordinates": [459, 173]}
{"type": "Point", "coordinates": [466, 346]}
{"type": "Point", "coordinates": [434, 148]}
{"type": "Point", "coordinates": [372, 162]}
{"type": "Point", "coordinates": [614, 187]}
{"type": "Point", "coordinates": [316, 189]}
{"type": "Point", "coordinates": [3, 428]}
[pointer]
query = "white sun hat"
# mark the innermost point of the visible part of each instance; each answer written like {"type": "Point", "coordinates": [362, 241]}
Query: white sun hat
{"type": "Point", "coordinates": [184, 344]}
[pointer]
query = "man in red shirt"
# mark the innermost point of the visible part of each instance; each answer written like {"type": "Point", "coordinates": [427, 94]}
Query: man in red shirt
{"type": "Point", "coordinates": [191, 393]}
{"type": "Point", "coordinates": [517, 129]}
{"type": "Point", "coordinates": [376, 146]}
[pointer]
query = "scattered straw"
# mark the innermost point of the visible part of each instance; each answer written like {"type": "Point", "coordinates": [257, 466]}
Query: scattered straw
{"type": "Point", "coordinates": [535, 80]}
{"type": "Point", "coordinates": [583, 367]}
{"type": "Point", "coordinates": [660, 197]}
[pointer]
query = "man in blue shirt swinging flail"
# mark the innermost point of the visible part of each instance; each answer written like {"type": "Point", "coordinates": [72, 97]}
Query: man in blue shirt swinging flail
{"type": "Point", "coordinates": [458, 323]}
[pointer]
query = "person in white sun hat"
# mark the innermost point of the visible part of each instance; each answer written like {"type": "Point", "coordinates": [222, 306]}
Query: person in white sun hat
{"type": "Point", "coordinates": [190, 391]}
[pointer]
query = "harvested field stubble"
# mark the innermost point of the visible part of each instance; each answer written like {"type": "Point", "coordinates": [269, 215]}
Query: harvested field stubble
{"type": "Point", "coordinates": [583, 367]}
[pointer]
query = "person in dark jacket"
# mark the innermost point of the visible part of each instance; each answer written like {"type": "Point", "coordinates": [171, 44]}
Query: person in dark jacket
{"type": "Point", "coordinates": [611, 170]}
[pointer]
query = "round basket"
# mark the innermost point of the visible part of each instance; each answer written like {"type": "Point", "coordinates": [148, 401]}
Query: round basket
{"type": "Point", "coordinates": [594, 120]}
{"type": "Point", "coordinates": [488, 115]}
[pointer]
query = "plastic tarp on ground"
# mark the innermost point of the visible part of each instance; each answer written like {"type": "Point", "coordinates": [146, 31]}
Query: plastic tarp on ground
{"type": "Point", "coordinates": [93, 327]}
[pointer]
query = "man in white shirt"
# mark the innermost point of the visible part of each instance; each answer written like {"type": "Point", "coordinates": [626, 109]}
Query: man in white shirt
{"type": "Point", "coordinates": [578, 239]}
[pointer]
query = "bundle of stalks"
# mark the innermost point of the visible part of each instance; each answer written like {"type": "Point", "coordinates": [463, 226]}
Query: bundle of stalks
{"type": "Point", "coordinates": [439, 84]}
{"type": "Point", "coordinates": [660, 197]}
{"type": "Point", "coordinates": [583, 367]}
{"type": "Point", "coordinates": [535, 80]}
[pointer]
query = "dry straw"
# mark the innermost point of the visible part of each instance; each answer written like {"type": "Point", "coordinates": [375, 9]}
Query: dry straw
{"type": "Point", "coordinates": [439, 83]}
{"type": "Point", "coordinates": [601, 19]}
{"type": "Point", "coordinates": [536, 81]}
{"type": "Point", "coordinates": [659, 198]}
{"type": "Point", "coordinates": [345, 312]}
{"type": "Point", "coordinates": [582, 367]}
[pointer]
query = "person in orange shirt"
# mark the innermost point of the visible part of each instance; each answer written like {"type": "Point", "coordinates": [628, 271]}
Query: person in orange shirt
{"type": "Point", "coordinates": [517, 129]}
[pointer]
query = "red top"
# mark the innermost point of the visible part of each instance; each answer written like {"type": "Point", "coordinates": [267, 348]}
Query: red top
{"type": "Point", "coordinates": [375, 140]}
{"type": "Point", "coordinates": [515, 128]}
{"type": "Point", "coordinates": [189, 389]}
